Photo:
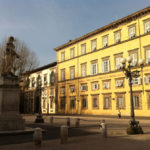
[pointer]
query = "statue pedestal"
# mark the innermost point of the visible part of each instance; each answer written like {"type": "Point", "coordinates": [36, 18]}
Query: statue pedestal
{"type": "Point", "coordinates": [10, 119]}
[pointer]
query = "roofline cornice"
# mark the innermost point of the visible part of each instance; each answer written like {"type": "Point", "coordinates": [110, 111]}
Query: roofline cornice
{"type": "Point", "coordinates": [106, 27]}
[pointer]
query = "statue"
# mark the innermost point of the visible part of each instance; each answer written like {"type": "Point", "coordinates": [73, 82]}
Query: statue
{"type": "Point", "coordinates": [9, 57]}
{"type": "Point", "coordinates": [10, 119]}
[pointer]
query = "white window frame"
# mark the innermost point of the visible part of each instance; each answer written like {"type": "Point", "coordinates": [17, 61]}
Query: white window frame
{"type": "Point", "coordinates": [136, 81]}
{"type": "Point", "coordinates": [148, 56]}
{"type": "Point", "coordinates": [105, 41]}
{"type": "Point", "coordinates": [94, 69]}
{"type": "Point", "coordinates": [136, 101]}
{"type": "Point", "coordinates": [62, 56]}
{"type": "Point", "coordinates": [95, 86]}
{"type": "Point", "coordinates": [119, 83]}
{"type": "Point", "coordinates": [147, 26]}
{"type": "Point", "coordinates": [72, 89]}
{"type": "Point", "coordinates": [93, 45]}
{"type": "Point", "coordinates": [132, 32]}
{"type": "Point", "coordinates": [104, 69]}
{"type": "Point", "coordinates": [83, 49]}
{"type": "Point", "coordinates": [62, 75]}
{"type": "Point", "coordinates": [83, 87]}
{"type": "Point", "coordinates": [106, 84]}
{"type": "Point", "coordinates": [62, 90]}
{"type": "Point", "coordinates": [106, 102]}
{"type": "Point", "coordinates": [117, 36]}
{"type": "Point", "coordinates": [33, 82]}
{"type": "Point", "coordinates": [83, 70]}
{"type": "Point", "coordinates": [134, 59]}
{"type": "Point", "coordinates": [117, 61]}
{"type": "Point", "coordinates": [147, 80]}
{"type": "Point", "coordinates": [72, 72]}
{"type": "Point", "coordinates": [72, 51]}
{"type": "Point", "coordinates": [120, 102]}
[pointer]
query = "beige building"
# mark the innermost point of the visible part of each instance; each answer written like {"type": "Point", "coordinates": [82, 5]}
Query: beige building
{"type": "Point", "coordinates": [40, 90]}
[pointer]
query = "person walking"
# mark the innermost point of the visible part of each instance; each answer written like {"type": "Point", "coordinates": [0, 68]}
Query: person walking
{"type": "Point", "coordinates": [119, 114]}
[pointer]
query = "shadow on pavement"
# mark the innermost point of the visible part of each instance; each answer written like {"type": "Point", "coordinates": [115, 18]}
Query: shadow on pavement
{"type": "Point", "coordinates": [50, 133]}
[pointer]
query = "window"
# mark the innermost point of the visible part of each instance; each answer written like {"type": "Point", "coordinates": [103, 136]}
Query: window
{"type": "Point", "coordinates": [72, 88]}
{"type": "Point", "coordinates": [51, 102]}
{"type": "Point", "coordinates": [136, 81]}
{"type": "Point", "coordinates": [105, 40]}
{"type": "Point", "coordinates": [148, 56]}
{"type": "Point", "coordinates": [72, 102]}
{"type": "Point", "coordinates": [94, 86]}
{"type": "Point", "coordinates": [83, 70]}
{"type": "Point", "coordinates": [52, 91]}
{"type": "Point", "coordinates": [83, 49]}
{"type": "Point", "coordinates": [62, 74]}
{"type": "Point", "coordinates": [105, 66]}
{"type": "Point", "coordinates": [33, 82]}
{"type": "Point", "coordinates": [83, 87]}
{"type": "Point", "coordinates": [147, 26]}
{"type": "Point", "coordinates": [119, 83]}
{"type": "Point", "coordinates": [132, 31]}
{"type": "Point", "coordinates": [148, 100]}
{"type": "Point", "coordinates": [93, 45]}
{"type": "Point", "coordinates": [28, 82]}
{"type": "Point", "coordinates": [106, 84]}
{"type": "Point", "coordinates": [120, 102]}
{"type": "Point", "coordinates": [72, 72]}
{"type": "Point", "coordinates": [117, 36]}
{"type": "Point", "coordinates": [39, 81]}
{"type": "Point", "coordinates": [147, 79]}
{"type": "Point", "coordinates": [94, 67]}
{"type": "Point", "coordinates": [84, 103]}
{"type": "Point", "coordinates": [95, 102]}
{"type": "Point", "coordinates": [134, 56]}
{"type": "Point", "coordinates": [45, 79]}
{"type": "Point", "coordinates": [117, 61]}
{"type": "Point", "coordinates": [44, 103]}
{"type": "Point", "coordinates": [52, 78]}
{"type": "Point", "coordinates": [72, 53]}
{"type": "Point", "coordinates": [137, 100]}
{"type": "Point", "coordinates": [62, 56]}
{"type": "Point", "coordinates": [62, 103]}
{"type": "Point", "coordinates": [107, 102]}
{"type": "Point", "coordinates": [62, 90]}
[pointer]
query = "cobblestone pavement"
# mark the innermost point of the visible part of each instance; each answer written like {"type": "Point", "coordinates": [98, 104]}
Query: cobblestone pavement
{"type": "Point", "coordinates": [117, 138]}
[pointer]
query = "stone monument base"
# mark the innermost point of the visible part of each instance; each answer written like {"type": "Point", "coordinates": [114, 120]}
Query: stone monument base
{"type": "Point", "coordinates": [8, 123]}
{"type": "Point", "coordinates": [10, 119]}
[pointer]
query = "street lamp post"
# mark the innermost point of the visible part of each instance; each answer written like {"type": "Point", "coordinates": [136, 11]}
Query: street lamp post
{"type": "Point", "coordinates": [134, 127]}
{"type": "Point", "coordinates": [39, 117]}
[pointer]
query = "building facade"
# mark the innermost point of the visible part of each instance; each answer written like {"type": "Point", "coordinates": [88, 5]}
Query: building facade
{"type": "Point", "coordinates": [89, 77]}
{"type": "Point", "coordinates": [40, 89]}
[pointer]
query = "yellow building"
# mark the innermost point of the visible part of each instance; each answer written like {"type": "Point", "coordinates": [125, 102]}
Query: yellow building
{"type": "Point", "coordinates": [89, 77]}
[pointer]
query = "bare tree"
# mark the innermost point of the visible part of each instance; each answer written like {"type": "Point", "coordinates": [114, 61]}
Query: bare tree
{"type": "Point", "coordinates": [27, 59]}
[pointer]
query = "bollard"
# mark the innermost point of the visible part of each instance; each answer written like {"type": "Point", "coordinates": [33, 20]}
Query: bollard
{"type": "Point", "coordinates": [77, 122]}
{"type": "Point", "coordinates": [68, 122]}
{"type": "Point", "coordinates": [51, 120]}
{"type": "Point", "coordinates": [37, 136]}
{"type": "Point", "coordinates": [63, 134]}
{"type": "Point", "coordinates": [103, 129]}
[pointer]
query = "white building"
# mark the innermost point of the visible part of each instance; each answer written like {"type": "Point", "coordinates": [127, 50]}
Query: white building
{"type": "Point", "coordinates": [40, 90]}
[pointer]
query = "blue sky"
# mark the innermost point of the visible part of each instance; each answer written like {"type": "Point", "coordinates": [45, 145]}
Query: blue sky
{"type": "Point", "coordinates": [46, 24]}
